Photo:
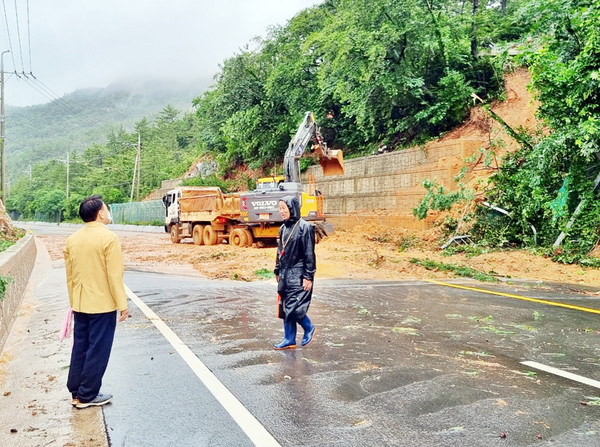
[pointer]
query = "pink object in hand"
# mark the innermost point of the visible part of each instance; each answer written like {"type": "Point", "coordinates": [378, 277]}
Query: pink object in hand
{"type": "Point", "coordinates": [65, 331]}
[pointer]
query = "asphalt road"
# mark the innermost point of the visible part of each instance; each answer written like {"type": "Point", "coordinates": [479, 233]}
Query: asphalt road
{"type": "Point", "coordinates": [408, 363]}
{"type": "Point", "coordinates": [393, 363]}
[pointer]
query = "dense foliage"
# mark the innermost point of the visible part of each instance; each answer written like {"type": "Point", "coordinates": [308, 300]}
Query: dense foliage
{"type": "Point", "coordinates": [38, 133]}
{"type": "Point", "coordinates": [373, 71]}
{"type": "Point", "coordinates": [167, 150]}
{"type": "Point", "coordinates": [544, 185]}
{"type": "Point", "coordinates": [379, 72]}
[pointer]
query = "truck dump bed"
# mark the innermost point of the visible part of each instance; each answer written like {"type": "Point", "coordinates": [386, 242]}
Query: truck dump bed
{"type": "Point", "coordinates": [207, 203]}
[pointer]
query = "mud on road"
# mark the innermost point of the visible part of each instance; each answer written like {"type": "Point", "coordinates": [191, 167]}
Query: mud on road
{"type": "Point", "coordinates": [368, 251]}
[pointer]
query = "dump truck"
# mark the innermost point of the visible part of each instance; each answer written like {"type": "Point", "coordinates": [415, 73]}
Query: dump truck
{"type": "Point", "coordinates": [205, 214]}
{"type": "Point", "coordinates": [209, 216]}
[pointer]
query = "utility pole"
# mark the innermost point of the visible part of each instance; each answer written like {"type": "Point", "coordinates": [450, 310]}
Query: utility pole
{"type": "Point", "coordinates": [2, 120]}
{"type": "Point", "coordinates": [30, 172]}
{"type": "Point", "coordinates": [136, 169]}
{"type": "Point", "coordinates": [133, 181]}
{"type": "Point", "coordinates": [139, 164]}
{"type": "Point", "coordinates": [68, 170]}
{"type": "Point", "coordinates": [68, 164]}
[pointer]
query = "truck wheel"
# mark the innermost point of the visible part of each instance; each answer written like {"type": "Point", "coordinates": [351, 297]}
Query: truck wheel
{"type": "Point", "coordinates": [175, 234]}
{"type": "Point", "coordinates": [210, 236]}
{"type": "Point", "coordinates": [198, 234]}
{"type": "Point", "coordinates": [249, 237]}
{"type": "Point", "coordinates": [238, 238]}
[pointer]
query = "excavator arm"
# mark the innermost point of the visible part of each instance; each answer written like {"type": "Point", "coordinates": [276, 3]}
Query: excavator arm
{"type": "Point", "coordinates": [331, 160]}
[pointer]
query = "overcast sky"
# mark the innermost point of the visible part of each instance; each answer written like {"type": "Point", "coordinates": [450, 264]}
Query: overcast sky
{"type": "Point", "coordinates": [93, 43]}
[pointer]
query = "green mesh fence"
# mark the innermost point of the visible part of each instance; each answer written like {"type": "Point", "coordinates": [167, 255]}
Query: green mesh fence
{"type": "Point", "coordinates": [151, 212]}
{"type": "Point", "coordinates": [47, 217]}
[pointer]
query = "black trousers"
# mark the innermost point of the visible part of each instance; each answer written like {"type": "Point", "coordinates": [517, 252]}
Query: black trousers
{"type": "Point", "coordinates": [93, 337]}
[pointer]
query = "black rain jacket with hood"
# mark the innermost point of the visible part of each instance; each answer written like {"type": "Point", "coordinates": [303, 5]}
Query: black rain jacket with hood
{"type": "Point", "coordinates": [295, 262]}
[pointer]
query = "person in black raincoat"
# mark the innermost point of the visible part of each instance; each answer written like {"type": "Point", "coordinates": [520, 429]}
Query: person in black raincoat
{"type": "Point", "coordinates": [295, 268]}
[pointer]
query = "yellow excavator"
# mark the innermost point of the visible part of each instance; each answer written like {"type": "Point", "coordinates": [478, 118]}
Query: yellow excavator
{"type": "Point", "coordinates": [209, 216]}
{"type": "Point", "coordinates": [260, 208]}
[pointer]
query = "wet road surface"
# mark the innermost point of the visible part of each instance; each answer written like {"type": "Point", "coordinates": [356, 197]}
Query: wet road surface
{"type": "Point", "coordinates": [393, 363]}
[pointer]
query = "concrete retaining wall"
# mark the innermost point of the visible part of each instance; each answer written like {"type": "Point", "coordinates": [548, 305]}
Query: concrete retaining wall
{"type": "Point", "coordinates": [165, 186]}
{"type": "Point", "coordinates": [385, 188]}
{"type": "Point", "coordinates": [16, 263]}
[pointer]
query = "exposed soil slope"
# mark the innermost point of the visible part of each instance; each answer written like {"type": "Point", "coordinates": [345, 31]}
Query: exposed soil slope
{"type": "Point", "coordinates": [371, 251]}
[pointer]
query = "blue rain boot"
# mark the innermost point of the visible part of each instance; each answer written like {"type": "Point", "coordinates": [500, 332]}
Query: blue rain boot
{"type": "Point", "coordinates": [289, 337]}
{"type": "Point", "coordinates": [309, 330]}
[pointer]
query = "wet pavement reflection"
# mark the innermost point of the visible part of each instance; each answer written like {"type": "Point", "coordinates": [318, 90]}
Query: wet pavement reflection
{"type": "Point", "coordinates": [393, 363]}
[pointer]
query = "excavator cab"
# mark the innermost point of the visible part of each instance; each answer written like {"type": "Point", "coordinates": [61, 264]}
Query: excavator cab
{"type": "Point", "coordinates": [269, 183]}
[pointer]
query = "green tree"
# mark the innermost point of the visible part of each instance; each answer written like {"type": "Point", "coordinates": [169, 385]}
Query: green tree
{"type": "Point", "coordinates": [50, 203]}
{"type": "Point", "coordinates": [565, 64]}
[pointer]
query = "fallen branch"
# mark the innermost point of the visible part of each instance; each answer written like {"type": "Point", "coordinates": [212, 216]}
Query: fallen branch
{"type": "Point", "coordinates": [513, 133]}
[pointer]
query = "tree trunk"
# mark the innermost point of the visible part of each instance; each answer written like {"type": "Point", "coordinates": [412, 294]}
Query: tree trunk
{"type": "Point", "coordinates": [438, 35]}
{"type": "Point", "coordinates": [474, 29]}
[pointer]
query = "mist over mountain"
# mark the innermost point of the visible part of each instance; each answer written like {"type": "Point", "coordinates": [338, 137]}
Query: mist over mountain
{"type": "Point", "coordinates": [79, 119]}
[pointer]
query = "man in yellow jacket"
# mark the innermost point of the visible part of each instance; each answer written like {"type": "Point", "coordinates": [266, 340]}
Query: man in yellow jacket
{"type": "Point", "coordinates": [94, 265]}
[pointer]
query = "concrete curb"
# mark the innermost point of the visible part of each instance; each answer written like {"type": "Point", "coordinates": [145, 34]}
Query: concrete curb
{"type": "Point", "coordinates": [113, 227]}
{"type": "Point", "coordinates": [17, 263]}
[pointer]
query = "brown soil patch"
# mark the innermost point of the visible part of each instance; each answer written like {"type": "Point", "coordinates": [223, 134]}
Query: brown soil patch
{"type": "Point", "coordinates": [368, 250]}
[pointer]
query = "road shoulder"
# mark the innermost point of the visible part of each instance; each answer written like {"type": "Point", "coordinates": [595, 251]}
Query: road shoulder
{"type": "Point", "coordinates": [35, 407]}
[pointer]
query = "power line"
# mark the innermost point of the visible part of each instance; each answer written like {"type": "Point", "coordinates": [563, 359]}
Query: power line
{"type": "Point", "coordinates": [8, 33]}
{"type": "Point", "coordinates": [29, 37]}
{"type": "Point", "coordinates": [19, 36]}
{"type": "Point", "coordinates": [34, 82]}
{"type": "Point", "coordinates": [65, 103]}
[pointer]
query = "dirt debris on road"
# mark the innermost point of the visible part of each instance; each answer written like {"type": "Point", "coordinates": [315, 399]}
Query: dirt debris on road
{"type": "Point", "coordinates": [368, 251]}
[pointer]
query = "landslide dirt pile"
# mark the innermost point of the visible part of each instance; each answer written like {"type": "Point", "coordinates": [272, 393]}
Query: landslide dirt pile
{"type": "Point", "coordinates": [368, 250]}
{"type": "Point", "coordinates": [7, 231]}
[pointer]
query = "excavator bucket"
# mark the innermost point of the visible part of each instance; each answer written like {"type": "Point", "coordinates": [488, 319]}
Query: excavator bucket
{"type": "Point", "coordinates": [332, 163]}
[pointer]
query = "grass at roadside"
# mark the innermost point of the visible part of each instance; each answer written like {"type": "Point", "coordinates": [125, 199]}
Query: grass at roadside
{"type": "Point", "coordinates": [5, 244]}
{"type": "Point", "coordinates": [459, 270]}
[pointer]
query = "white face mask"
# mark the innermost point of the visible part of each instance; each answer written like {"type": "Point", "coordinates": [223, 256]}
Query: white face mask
{"type": "Point", "coordinates": [109, 216]}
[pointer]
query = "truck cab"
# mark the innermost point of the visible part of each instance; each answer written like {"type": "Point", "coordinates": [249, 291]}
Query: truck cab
{"type": "Point", "coordinates": [171, 201]}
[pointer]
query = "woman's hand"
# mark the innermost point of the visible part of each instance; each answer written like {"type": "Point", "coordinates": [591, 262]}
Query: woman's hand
{"type": "Point", "coordinates": [277, 278]}
{"type": "Point", "coordinates": [307, 284]}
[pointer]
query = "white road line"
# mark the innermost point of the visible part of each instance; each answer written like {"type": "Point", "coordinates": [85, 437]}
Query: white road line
{"type": "Point", "coordinates": [257, 433]}
{"type": "Point", "coordinates": [561, 373]}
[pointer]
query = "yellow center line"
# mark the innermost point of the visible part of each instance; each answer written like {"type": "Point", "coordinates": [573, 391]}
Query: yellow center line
{"type": "Point", "coordinates": [518, 297]}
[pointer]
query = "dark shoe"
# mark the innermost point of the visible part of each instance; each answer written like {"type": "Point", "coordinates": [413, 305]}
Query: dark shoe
{"type": "Point", "coordinates": [289, 338]}
{"type": "Point", "coordinates": [100, 399]}
{"type": "Point", "coordinates": [309, 330]}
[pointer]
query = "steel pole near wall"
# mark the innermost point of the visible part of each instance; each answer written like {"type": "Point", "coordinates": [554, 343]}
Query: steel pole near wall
{"type": "Point", "coordinates": [2, 120]}
{"type": "Point", "coordinates": [139, 165]}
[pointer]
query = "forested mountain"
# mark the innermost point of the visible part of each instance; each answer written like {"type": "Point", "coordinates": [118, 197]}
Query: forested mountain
{"type": "Point", "coordinates": [77, 120]}
{"type": "Point", "coordinates": [380, 72]}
